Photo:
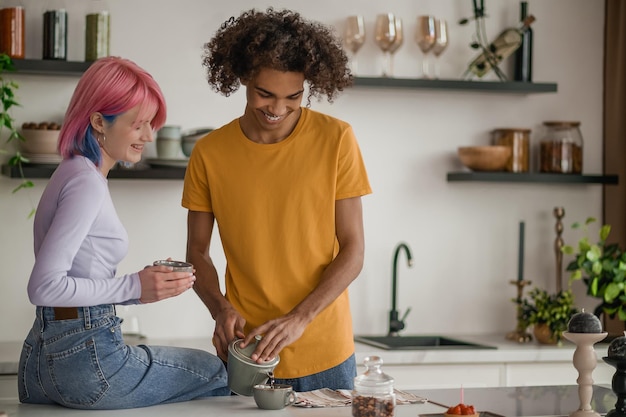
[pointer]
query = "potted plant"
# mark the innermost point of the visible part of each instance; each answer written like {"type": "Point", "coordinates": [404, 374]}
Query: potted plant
{"type": "Point", "coordinates": [602, 267]}
{"type": "Point", "coordinates": [7, 102]}
{"type": "Point", "coordinates": [549, 314]}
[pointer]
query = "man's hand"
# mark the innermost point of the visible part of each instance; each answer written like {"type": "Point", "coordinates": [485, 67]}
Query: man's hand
{"type": "Point", "coordinates": [277, 334]}
{"type": "Point", "coordinates": [228, 327]}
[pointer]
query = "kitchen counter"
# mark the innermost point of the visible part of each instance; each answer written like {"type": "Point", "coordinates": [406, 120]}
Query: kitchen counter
{"type": "Point", "coordinates": [500, 402]}
{"type": "Point", "coordinates": [506, 352]}
{"type": "Point", "coordinates": [507, 401]}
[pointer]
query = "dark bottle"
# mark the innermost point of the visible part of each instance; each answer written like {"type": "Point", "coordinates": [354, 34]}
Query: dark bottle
{"type": "Point", "coordinates": [524, 54]}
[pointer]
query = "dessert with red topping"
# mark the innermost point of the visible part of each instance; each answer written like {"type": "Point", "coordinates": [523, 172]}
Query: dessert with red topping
{"type": "Point", "coordinates": [461, 410]}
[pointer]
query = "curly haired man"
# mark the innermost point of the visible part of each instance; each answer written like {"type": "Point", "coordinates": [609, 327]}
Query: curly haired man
{"type": "Point", "coordinates": [284, 184]}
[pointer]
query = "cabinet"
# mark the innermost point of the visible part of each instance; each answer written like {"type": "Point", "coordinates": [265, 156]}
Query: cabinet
{"type": "Point", "coordinates": [481, 375]}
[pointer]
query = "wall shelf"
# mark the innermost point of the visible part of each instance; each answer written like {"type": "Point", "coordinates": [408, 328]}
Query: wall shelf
{"type": "Point", "coordinates": [45, 171]}
{"type": "Point", "coordinates": [457, 85]}
{"type": "Point", "coordinates": [524, 177]}
{"type": "Point", "coordinates": [49, 67]}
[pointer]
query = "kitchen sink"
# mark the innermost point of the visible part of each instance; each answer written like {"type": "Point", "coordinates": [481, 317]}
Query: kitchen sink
{"type": "Point", "coordinates": [418, 343]}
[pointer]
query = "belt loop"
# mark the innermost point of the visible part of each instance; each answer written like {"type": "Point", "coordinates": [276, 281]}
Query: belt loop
{"type": "Point", "coordinates": [87, 317]}
{"type": "Point", "coordinates": [42, 322]}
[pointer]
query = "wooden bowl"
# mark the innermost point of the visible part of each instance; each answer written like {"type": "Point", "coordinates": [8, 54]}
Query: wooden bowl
{"type": "Point", "coordinates": [485, 158]}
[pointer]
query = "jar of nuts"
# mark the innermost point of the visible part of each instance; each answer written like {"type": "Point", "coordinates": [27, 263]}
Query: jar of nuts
{"type": "Point", "coordinates": [561, 149]}
{"type": "Point", "coordinates": [373, 394]}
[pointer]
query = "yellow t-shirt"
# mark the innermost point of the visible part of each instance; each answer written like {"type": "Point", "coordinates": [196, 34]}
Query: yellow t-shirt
{"type": "Point", "coordinates": [274, 205]}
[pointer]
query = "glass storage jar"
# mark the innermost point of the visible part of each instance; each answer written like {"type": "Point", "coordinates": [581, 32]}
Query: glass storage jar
{"type": "Point", "coordinates": [519, 142]}
{"type": "Point", "coordinates": [373, 394]}
{"type": "Point", "coordinates": [561, 149]}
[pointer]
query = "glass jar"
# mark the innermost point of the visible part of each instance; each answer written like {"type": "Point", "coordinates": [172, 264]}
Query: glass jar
{"type": "Point", "coordinates": [561, 149]}
{"type": "Point", "coordinates": [519, 142]}
{"type": "Point", "coordinates": [373, 394]}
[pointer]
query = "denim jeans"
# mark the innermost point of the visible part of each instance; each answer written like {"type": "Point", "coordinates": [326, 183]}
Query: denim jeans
{"type": "Point", "coordinates": [339, 377]}
{"type": "Point", "coordinates": [84, 363]}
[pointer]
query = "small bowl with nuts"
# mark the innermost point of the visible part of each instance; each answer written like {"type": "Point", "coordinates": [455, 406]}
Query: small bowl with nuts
{"type": "Point", "coordinates": [40, 138]}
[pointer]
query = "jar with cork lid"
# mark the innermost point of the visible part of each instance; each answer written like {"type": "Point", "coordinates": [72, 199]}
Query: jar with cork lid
{"type": "Point", "coordinates": [373, 394]}
{"type": "Point", "coordinates": [561, 148]}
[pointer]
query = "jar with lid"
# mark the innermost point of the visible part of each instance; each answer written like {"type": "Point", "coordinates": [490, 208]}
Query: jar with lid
{"type": "Point", "coordinates": [561, 149]}
{"type": "Point", "coordinates": [373, 394]}
{"type": "Point", "coordinates": [519, 142]}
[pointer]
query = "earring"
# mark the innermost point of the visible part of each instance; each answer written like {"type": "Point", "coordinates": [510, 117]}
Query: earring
{"type": "Point", "coordinates": [104, 139]}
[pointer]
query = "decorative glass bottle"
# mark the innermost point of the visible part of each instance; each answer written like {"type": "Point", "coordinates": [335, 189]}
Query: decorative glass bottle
{"type": "Point", "coordinates": [373, 394]}
{"type": "Point", "coordinates": [504, 45]}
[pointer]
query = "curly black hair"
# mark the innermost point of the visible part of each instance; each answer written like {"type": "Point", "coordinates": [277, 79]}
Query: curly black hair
{"type": "Point", "coordinates": [280, 40]}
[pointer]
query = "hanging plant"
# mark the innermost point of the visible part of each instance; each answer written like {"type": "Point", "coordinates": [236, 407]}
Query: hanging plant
{"type": "Point", "coordinates": [7, 123]}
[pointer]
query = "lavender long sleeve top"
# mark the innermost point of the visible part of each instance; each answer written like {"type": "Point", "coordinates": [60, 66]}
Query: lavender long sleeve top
{"type": "Point", "coordinates": [79, 241]}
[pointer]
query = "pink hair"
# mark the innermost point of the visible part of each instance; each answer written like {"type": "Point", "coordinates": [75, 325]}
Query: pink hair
{"type": "Point", "coordinates": [110, 86]}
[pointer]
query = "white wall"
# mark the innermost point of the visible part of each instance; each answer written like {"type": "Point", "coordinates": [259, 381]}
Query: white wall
{"type": "Point", "coordinates": [463, 235]}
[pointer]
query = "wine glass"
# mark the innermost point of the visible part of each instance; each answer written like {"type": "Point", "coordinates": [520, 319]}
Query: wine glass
{"type": "Point", "coordinates": [354, 37]}
{"type": "Point", "coordinates": [385, 37]}
{"type": "Point", "coordinates": [397, 43]}
{"type": "Point", "coordinates": [441, 42]}
{"type": "Point", "coordinates": [425, 38]}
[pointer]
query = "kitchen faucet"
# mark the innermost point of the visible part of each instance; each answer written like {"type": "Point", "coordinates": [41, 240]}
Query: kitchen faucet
{"type": "Point", "coordinates": [395, 324]}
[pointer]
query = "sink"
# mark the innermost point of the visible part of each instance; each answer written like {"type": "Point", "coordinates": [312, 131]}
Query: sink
{"type": "Point", "coordinates": [418, 343]}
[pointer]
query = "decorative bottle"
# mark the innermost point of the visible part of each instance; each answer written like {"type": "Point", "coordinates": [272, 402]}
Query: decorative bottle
{"type": "Point", "coordinates": [504, 45]}
{"type": "Point", "coordinates": [524, 54]}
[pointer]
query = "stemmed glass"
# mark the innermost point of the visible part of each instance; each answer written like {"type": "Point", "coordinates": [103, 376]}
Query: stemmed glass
{"type": "Point", "coordinates": [425, 37]}
{"type": "Point", "coordinates": [441, 42]}
{"type": "Point", "coordinates": [397, 43]}
{"type": "Point", "coordinates": [385, 37]}
{"type": "Point", "coordinates": [354, 37]}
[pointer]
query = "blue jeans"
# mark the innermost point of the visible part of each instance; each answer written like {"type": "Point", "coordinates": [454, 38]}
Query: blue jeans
{"type": "Point", "coordinates": [84, 363]}
{"type": "Point", "coordinates": [339, 377]}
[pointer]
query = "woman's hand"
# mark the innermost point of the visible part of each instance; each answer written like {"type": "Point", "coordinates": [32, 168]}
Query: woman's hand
{"type": "Point", "coordinates": [160, 282]}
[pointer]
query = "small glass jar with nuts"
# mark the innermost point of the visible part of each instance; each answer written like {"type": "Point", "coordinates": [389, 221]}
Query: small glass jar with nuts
{"type": "Point", "coordinates": [373, 394]}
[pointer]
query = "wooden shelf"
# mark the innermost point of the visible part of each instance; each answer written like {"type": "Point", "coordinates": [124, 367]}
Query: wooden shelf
{"type": "Point", "coordinates": [50, 67]}
{"type": "Point", "coordinates": [457, 85]}
{"type": "Point", "coordinates": [45, 171]}
{"type": "Point", "coordinates": [524, 177]}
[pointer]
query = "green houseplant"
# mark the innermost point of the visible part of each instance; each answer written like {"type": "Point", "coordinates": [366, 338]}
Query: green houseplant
{"type": "Point", "coordinates": [602, 267]}
{"type": "Point", "coordinates": [541, 309]}
{"type": "Point", "coordinates": [7, 123]}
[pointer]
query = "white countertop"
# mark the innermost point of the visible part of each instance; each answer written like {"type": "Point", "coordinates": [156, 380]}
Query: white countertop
{"type": "Point", "coordinates": [507, 352]}
{"type": "Point", "coordinates": [510, 402]}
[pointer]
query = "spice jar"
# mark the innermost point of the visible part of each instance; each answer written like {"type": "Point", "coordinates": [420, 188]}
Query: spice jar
{"type": "Point", "coordinates": [373, 394]}
{"type": "Point", "coordinates": [561, 149]}
{"type": "Point", "coordinates": [519, 142]}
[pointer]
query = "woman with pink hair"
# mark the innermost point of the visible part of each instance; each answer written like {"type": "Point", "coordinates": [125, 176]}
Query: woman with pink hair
{"type": "Point", "coordinates": [75, 355]}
